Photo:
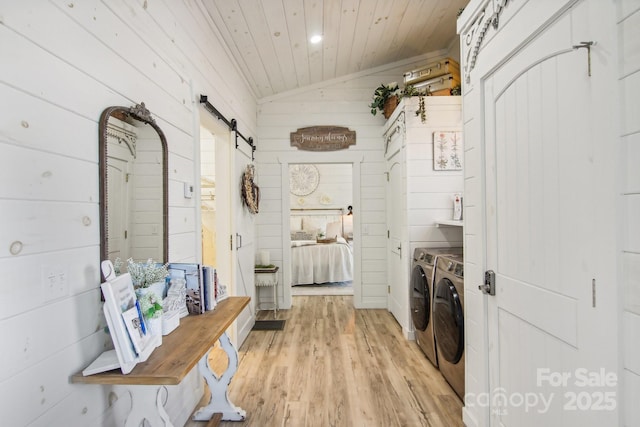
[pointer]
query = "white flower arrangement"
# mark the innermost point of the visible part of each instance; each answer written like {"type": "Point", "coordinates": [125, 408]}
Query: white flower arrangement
{"type": "Point", "coordinates": [146, 273]}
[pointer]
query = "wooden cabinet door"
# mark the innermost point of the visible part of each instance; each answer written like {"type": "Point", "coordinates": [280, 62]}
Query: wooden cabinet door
{"type": "Point", "coordinates": [398, 295]}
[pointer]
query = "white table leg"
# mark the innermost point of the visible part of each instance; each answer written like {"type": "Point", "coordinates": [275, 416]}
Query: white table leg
{"type": "Point", "coordinates": [147, 404]}
{"type": "Point", "coordinates": [219, 386]}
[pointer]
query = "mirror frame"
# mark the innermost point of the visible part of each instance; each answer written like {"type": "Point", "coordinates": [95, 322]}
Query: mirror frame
{"type": "Point", "coordinates": [140, 113]}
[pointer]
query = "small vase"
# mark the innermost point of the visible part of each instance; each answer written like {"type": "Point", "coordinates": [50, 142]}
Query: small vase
{"type": "Point", "coordinates": [158, 288]}
{"type": "Point", "coordinates": [155, 329]}
{"type": "Point", "coordinates": [389, 106]}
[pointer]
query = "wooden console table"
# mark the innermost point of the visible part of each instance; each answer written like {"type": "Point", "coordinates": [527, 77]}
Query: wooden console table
{"type": "Point", "coordinates": [180, 351]}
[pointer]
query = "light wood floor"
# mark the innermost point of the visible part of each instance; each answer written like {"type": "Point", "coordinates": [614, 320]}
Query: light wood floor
{"type": "Point", "coordinates": [336, 366]}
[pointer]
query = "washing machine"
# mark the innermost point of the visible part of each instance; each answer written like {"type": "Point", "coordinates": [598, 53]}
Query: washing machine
{"type": "Point", "coordinates": [422, 279]}
{"type": "Point", "coordinates": [448, 319]}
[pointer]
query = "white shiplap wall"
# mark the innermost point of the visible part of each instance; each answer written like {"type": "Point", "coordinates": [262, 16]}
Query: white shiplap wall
{"type": "Point", "coordinates": [429, 192]}
{"type": "Point", "coordinates": [333, 191]}
{"type": "Point", "coordinates": [339, 102]}
{"type": "Point", "coordinates": [629, 75]}
{"type": "Point", "coordinates": [63, 63]}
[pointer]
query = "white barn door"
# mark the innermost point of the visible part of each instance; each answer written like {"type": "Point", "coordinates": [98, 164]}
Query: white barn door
{"type": "Point", "coordinates": [548, 325]}
{"type": "Point", "coordinates": [243, 240]}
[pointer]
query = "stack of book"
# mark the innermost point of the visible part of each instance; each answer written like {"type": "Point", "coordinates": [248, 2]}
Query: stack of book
{"type": "Point", "coordinates": [201, 284]}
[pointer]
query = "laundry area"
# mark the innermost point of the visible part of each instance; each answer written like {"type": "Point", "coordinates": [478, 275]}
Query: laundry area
{"type": "Point", "coordinates": [424, 150]}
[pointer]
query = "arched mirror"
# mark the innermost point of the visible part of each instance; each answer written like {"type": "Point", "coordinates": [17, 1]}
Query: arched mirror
{"type": "Point", "coordinates": [133, 186]}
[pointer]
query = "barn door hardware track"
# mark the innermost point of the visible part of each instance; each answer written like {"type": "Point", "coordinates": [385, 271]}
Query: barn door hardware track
{"type": "Point", "coordinates": [231, 124]}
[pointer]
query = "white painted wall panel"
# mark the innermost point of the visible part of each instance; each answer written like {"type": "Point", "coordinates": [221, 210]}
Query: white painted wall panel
{"type": "Point", "coordinates": [630, 325]}
{"type": "Point", "coordinates": [631, 154]}
{"type": "Point", "coordinates": [630, 43]}
{"type": "Point", "coordinates": [50, 176]}
{"type": "Point", "coordinates": [628, 36]}
{"type": "Point", "coordinates": [630, 109]}
{"type": "Point", "coordinates": [631, 286]}
{"type": "Point", "coordinates": [63, 64]}
{"type": "Point", "coordinates": [33, 340]}
{"type": "Point", "coordinates": [631, 387]}
{"type": "Point", "coordinates": [79, 264]}
{"type": "Point", "coordinates": [632, 234]}
{"type": "Point", "coordinates": [44, 384]}
{"type": "Point", "coordinates": [48, 226]}
{"type": "Point", "coordinates": [434, 235]}
{"type": "Point", "coordinates": [44, 125]}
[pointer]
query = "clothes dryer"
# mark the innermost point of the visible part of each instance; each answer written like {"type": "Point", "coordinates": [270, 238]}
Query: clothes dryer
{"type": "Point", "coordinates": [448, 319]}
{"type": "Point", "coordinates": [422, 280]}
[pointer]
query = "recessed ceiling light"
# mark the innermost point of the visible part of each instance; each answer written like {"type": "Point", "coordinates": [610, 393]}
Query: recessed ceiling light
{"type": "Point", "coordinates": [316, 39]}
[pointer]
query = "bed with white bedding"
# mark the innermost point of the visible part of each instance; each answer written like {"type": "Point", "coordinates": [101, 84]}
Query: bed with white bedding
{"type": "Point", "coordinates": [316, 263]}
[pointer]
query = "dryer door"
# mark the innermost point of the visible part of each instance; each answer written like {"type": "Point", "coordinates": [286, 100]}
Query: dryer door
{"type": "Point", "coordinates": [448, 321]}
{"type": "Point", "coordinates": [420, 299]}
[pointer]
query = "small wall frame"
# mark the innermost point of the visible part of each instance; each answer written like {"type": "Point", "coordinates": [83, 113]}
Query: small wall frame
{"type": "Point", "coordinates": [448, 151]}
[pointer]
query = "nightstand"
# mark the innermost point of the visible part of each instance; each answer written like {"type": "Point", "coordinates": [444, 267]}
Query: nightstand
{"type": "Point", "coordinates": [267, 277]}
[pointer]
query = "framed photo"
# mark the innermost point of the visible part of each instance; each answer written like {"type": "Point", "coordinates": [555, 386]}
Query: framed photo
{"type": "Point", "coordinates": [192, 274]}
{"type": "Point", "coordinates": [447, 151]}
{"type": "Point", "coordinates": [123, 321]}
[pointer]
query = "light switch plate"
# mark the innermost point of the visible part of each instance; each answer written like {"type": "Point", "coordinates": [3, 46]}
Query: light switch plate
{"type": "Point", "coordinates": [188, 190]}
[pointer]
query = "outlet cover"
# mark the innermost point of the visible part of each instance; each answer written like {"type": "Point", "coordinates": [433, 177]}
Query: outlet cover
{"type": "Point", "coordinates": [54, 280]}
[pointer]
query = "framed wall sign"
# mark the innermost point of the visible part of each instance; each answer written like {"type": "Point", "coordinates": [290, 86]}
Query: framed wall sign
{"type": "Point", "coordinates": [323, 138]}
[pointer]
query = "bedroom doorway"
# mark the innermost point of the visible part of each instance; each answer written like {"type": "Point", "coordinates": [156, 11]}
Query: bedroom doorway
{"type": "Point", "coordinates": [321, 228]}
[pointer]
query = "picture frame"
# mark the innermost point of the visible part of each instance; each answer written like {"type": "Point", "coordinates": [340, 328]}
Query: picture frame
{"type": "Point", "coordinates": [448, 151]}
{"type": "Point", "coordinates": [119, 297]}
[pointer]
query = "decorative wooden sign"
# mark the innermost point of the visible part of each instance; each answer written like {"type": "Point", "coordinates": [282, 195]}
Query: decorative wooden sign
{"type": "Point", "coordinates": [323, 138]}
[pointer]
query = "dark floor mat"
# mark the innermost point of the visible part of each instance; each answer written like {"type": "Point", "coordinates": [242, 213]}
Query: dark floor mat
{"type": "Point", "coordinates": [269, 325]}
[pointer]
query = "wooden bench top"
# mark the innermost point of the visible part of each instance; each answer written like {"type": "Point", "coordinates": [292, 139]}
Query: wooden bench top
{"type": "Point", "coordinates": [180, 350]}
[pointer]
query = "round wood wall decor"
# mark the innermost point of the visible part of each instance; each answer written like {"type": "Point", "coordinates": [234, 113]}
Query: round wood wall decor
{"type": "Point", "coordinates": [303, 179]}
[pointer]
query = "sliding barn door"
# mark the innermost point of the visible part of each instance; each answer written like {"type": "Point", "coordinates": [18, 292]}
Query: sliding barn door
{"type": "Point", "coordinates": [243, 240]}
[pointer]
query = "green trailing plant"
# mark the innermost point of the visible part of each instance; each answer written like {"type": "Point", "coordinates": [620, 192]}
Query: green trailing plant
{"type": "Point", "coordinates": [264, 266]}
{"type": "Point", "coordinates": [380, 96]}
{"type": "Point", "coordinates": [410, 90]}
{"type": "Point", "coordinates": [421, 111]}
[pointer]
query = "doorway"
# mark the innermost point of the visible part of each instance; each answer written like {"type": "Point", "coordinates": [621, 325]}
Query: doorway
{"type": "Point", "coordinates": [227, 228]}
{"type": "Point", "coordinates": [321, 228]}
{"type": "Point", "coordinates": [353, 159]}
{"type": "Point", "coordinates": [208, 196]}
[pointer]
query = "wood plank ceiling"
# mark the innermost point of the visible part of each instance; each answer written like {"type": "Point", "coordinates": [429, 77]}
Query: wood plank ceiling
{"type": "Point", "coordinates": [270, 38]}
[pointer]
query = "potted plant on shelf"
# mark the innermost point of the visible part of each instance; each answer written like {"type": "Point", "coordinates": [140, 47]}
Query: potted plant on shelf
{"type": "Point", "coordinates": [146, 276]}
{"type": "Point", "coordinates": [385, 99]}
{"type": "Point", "coordinates": [410, 90]}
